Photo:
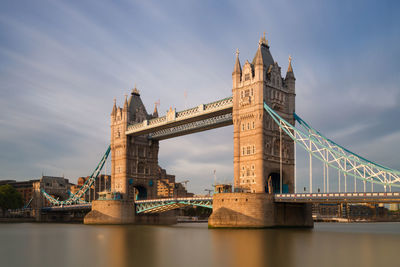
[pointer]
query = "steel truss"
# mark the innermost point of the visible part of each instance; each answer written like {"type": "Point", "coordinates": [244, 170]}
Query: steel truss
{"type": "Point", "coordinates": [76, 198]}
{"type": "Point", "coordinates": [336, 156]}
{"type": "Point", "coordinates": [196, 126]}
{"type": "Point", "coordinates": [162, 205]}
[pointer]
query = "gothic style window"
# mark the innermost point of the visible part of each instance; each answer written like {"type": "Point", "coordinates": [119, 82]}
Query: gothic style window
{"type": "Point", "coordinates": [248, 150]}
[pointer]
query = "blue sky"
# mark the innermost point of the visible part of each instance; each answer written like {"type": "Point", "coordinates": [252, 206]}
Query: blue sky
{"type": "Point", "coordinates": [63, 62]}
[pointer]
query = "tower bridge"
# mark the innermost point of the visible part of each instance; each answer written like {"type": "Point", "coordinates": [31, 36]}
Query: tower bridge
{"type": "Point", "coordinates": [262, 112]}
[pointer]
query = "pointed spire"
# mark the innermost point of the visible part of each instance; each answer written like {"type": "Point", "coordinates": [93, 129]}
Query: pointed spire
{"type": "Point", "coordinates": [263, 55]}
{"type": "Point", "coordinates": [114, 110]}
{"type": "Point", "coordinates": [264, 40]}
{"type": "Point", "coordinates": [155, 112]}
{"type": "Point", "coordinates": [258, 59]}
{"type": "Point", "coordinates": [237, 68]}
{"type": "Point", "coordinates": [290, 73]}
{"type": "Point", "coordinates": [126, 103]}
{"type": "Point", "coordinates": [135, 91]}
{"type": "Point", "coordinates": [290, 69]}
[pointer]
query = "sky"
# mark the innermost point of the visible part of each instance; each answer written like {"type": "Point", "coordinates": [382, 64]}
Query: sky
{"type": "Point", "coordinates": [63, 62]}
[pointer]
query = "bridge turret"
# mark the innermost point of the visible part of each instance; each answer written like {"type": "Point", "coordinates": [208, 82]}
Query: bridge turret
{"type": "Point", "coordinates": [290, 82]}
{"type": "Point", "coordinates": [237, 71]}
{"type": "Point", "coordinates": [114, 110]}
{"type": "Point", "coordinates": [155, 112]}
{"type": "Point", "coordinates": [262, 60]}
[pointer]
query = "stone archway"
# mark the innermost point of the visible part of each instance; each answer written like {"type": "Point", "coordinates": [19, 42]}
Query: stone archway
{"type": "Point", "coordinates": [273, 181]}
{"type": "Point", "coordinates": [140, 192]}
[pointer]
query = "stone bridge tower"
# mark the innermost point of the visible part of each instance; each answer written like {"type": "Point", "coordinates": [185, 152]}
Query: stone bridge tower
{"type": "Point", "coordinates": [258, 153]}
{"type": "Point", "coordinates": [134, 159]}
{"type": "Point", "coordinates": [257, 149]}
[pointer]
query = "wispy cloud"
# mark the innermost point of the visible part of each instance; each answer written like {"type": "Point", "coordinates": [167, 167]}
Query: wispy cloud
{"type": "Point", "coordinates": [61, 66]}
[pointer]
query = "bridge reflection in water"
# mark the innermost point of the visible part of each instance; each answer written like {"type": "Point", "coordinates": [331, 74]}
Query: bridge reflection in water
{"type": "Point", "coordinates": [328, 244]}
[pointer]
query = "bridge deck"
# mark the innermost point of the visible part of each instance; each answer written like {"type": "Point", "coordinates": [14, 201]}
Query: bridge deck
{"type": "Point", "coordinates": [392, 197]}
{"type": "Point", "coordinates": [86, 206]}
{"type": "Point", "coordinates": [164, 204]}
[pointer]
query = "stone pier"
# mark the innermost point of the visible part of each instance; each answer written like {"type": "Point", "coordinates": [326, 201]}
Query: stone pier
{"type": "Point", "coordinates": [111, 212]}
{"type": "Point", "coordinates": [123, 212]}
{"type": "Point", "coordinates": [257, 210]}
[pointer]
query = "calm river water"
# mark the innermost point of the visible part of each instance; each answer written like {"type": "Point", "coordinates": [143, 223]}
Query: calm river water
{"type": "Point", "coordinates": [328, 244]}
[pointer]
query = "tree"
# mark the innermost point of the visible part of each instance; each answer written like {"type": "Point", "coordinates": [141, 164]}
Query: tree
{"type": "Point", "coordinates": [10, 198]}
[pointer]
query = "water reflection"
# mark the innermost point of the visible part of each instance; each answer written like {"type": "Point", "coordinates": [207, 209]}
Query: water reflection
{"type": "Point", "coordinates": [195, 245]}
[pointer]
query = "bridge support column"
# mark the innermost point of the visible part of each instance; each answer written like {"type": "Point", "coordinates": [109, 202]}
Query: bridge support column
{"type": "Point", "coordinates": [249, 210]}
{"type": "Point", "coordinates": [111, 212]}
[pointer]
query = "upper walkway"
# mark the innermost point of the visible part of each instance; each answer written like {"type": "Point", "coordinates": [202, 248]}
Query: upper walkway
{"type": "Point", "coordinates": [203, 117]}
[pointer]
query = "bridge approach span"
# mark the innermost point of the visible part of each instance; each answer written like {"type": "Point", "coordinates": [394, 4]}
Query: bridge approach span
{"type": "Point", "coordinates": [367, 197]}
{"type": "Point", "coordinates": [165, 204]}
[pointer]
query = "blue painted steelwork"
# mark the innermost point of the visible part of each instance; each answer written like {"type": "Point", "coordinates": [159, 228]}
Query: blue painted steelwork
{"type": "Point", "coordinates": [76, 198]}
{"type": "Point", "coordinates": [336, 156]}
{"type": "Point", "coordinates": [162, 205]}
{"type": "Point", "coordinates": [29, 202]}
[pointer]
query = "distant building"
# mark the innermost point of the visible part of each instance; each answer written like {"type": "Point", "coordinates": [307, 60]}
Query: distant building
{"type": "Point", "coordinates": [167, 189]}
{"type": "Point", "coordinates": [102, 183]}
{"type": "Point", "coordinates": [25, 188]}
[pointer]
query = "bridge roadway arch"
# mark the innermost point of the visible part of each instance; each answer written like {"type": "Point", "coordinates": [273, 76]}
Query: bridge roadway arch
{"type": "Point", "coordinates": [165, 204]}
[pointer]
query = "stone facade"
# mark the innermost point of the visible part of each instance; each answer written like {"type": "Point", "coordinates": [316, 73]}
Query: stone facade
{"type": "Point", "coordinates": [257, 149]}
{"type": "Point", "coordinates": [262, 152]}
{"type": "Point", "coordinates": [134, 160]}
{"type": "Point", "coordinates": [111, 212]}
{"type": "Point", "coordinates": [257, 210]}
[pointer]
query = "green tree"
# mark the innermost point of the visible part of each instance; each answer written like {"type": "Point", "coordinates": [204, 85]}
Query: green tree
{"type": "Point", "coordinates": [10, 198]}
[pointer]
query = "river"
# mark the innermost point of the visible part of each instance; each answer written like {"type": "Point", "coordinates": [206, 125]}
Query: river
{"type": "Point", "coordinates": [193, 244]}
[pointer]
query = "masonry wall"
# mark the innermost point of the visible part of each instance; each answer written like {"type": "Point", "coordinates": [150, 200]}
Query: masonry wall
{"type": "Point", "coordinates": [249, 210]}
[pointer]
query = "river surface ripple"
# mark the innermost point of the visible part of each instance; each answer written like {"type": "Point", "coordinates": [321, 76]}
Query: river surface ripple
{"type": "Point", "coordinates": [193, 244]}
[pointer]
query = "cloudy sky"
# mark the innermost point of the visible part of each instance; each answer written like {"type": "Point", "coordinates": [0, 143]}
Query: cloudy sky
{"type": "Point", "coordinates": [63, 62]}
